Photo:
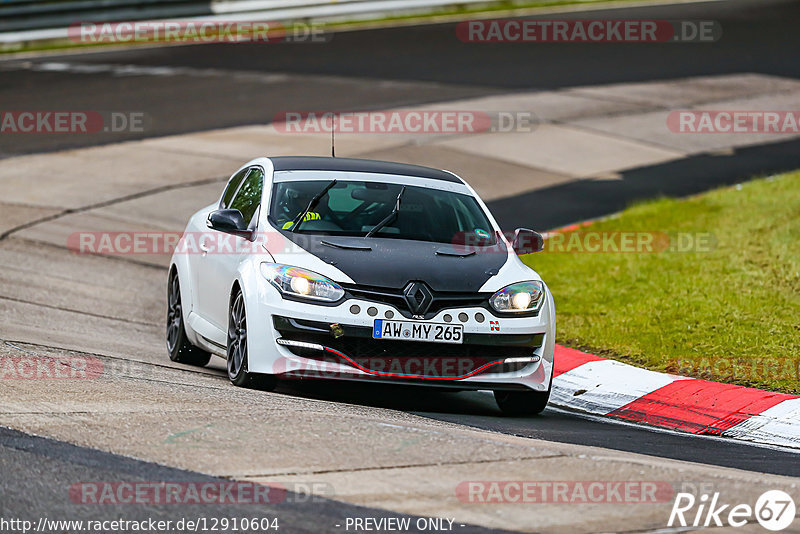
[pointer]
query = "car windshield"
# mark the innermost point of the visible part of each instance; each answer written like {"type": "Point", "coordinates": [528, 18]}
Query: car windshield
{"type": "Point", "coordinates": [353, 208]}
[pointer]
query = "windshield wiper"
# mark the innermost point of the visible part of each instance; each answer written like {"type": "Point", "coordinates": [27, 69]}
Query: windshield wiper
{"type": "Point", "coordinates": [377, 227]}
{"type": "Point", "coordinates": [299, 219]}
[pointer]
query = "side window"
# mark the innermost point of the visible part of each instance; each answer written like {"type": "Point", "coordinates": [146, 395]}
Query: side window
{"type": "Point", "coordinates": [233, 185]}
{"type": "Point", "coordinates": [248, 198]}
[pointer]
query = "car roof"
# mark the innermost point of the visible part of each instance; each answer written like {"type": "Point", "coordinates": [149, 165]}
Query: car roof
{"type": "Point", "coordinates": [311, 163]}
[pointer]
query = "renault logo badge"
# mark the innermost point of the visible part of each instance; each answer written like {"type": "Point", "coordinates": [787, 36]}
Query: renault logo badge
{"type": "Point", "coordinates": [418, 297]}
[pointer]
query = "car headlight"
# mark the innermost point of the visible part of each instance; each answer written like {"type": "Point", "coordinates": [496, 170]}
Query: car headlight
{"type": "Point", "coordinates": [300, 283]}
{"type": "Point", "coordinates": [519, 298]}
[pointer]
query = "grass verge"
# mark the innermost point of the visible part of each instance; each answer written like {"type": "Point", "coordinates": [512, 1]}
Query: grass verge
{"type": "Point", "coordinates": [726, 309]}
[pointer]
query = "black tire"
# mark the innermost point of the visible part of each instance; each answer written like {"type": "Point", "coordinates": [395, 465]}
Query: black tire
{"type": "Point", "coordinates": [237, 348]}
{"type": "Point", "coordinates": [178, 346]}
{"type": "Point", "coordinates": [521, 402]}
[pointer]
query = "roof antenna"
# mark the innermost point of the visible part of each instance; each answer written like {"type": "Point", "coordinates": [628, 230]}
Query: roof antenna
{"type": "Point", "coordinates": [333, 137]}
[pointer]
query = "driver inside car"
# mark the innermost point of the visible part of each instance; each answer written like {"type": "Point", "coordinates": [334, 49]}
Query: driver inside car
{"type": "Point", "coordinates": [293, 204]}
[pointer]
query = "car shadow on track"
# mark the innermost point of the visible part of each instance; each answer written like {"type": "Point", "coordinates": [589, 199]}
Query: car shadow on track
{"type": "Point", "coordinates": [394, 397]}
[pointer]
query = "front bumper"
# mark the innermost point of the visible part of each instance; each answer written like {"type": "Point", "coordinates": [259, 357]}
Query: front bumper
{"type": "Point", "coordinates": [296, 340]}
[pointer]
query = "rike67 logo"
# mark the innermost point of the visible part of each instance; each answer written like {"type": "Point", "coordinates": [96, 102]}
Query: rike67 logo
{"type": "Point", "coordinates": [774, 510]}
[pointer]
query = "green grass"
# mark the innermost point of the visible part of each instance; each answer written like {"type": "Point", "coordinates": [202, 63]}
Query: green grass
{"type": "Point", "coordinates": [731, 314]}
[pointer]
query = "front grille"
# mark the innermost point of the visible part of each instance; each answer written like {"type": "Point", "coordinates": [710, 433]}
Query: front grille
{"type": "Point", "coordinates": [411, 358]}
{"type": "Point", "coordinates": [379, 348]}
{"type": "Point", "coordinates": [442, 300]}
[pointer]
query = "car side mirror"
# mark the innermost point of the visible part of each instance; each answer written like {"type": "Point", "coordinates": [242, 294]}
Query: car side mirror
{"type": "Point", "coordinates": [228, 221]}
{"type": "Point", "coordinates": [527, 241]}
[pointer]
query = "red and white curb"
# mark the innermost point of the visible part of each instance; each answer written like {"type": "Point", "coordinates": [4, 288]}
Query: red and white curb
{"type": "Point", "coordinates": [591, 384]}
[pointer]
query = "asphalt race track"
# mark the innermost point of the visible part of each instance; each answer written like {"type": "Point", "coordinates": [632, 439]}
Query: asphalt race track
{"type": "Point", "coordinates": [222, 86]}
{"type": "Point", "coordinates": [414, 65]}
{"type": "Point", "coordinates": [377, 69]}
{"type": "Point", "coordinates": [478, 409]}
{"type": "Point", "coordinates": [24, 454]}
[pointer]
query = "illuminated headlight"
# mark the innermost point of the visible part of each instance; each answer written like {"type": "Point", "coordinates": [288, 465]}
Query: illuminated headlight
{"type": "Point", "coordinates": [300, 283]}
{"type": "Point", "coordinates": [519, 298]}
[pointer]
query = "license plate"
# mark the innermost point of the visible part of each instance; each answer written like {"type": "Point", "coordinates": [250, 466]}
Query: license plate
{"type": "Point", "coordinates": [411, 331]}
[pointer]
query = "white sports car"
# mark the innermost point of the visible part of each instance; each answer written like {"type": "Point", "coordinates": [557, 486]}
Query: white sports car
{"type": "Point", "coordinates": [361, 270]}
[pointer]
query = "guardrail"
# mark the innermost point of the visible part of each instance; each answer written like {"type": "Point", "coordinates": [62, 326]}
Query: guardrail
{"type": "Point", "coordinates": [36, 14]}
{"type": "Point", "coordinates": [30, 20]}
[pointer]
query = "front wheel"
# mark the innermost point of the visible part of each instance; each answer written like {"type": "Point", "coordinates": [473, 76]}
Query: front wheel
{"type": "Point", "coordinates": [522, 402]}
{"type": "Point", "coordinates": [178, 346]}
{"type": "Point", "coordinates": [237, 348]}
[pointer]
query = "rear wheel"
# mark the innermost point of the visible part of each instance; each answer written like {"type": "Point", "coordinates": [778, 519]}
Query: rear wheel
{"type": "Point", "coordinates": [522, 402]}
{"type": "Point", "coordinates": [178, 345]}
{"type": "Point", "coordinates": [237, 348]}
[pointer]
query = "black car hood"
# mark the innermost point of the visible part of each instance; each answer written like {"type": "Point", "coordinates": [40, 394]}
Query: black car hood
{"type": "Point", "coordinates": [392, 263]}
